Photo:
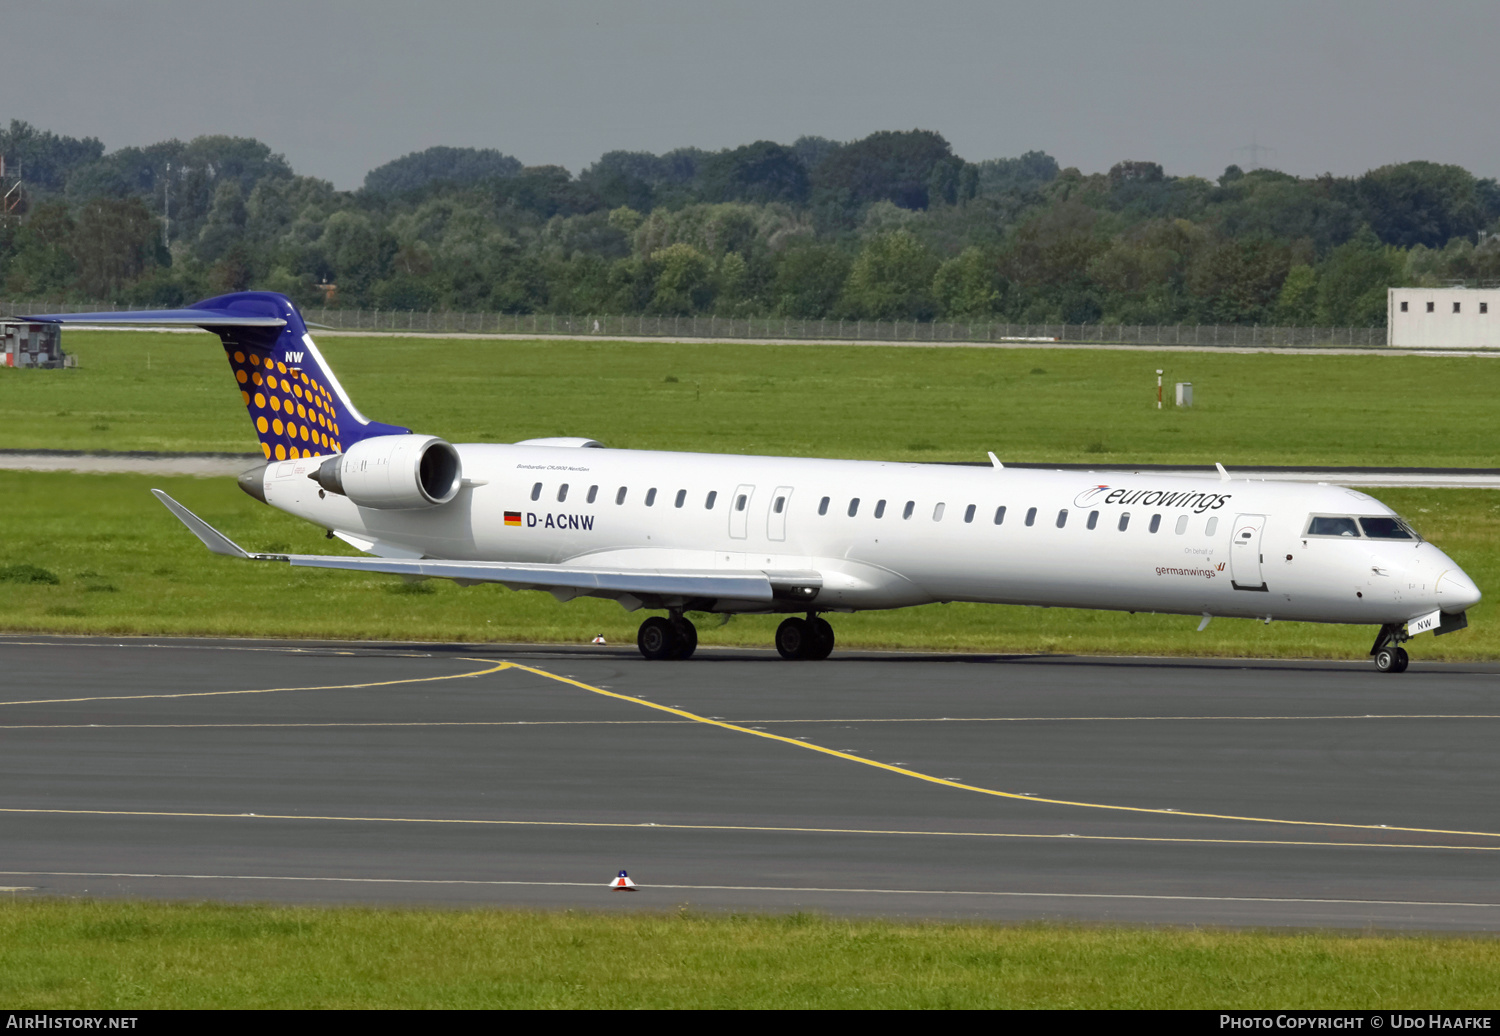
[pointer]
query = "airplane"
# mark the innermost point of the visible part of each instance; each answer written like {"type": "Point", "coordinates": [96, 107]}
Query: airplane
{"type": "Point", "coordinates": [804, 537]}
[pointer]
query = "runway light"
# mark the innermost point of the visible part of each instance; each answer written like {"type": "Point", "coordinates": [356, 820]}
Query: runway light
{"type": "Point", "coordinates": [623, 883]}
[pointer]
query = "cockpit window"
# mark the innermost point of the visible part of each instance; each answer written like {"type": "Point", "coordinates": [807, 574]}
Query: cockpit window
{"type": "Point", "coordinates": [1322, 525]}
{"type": "Point", "coordinates": [1387, 529]}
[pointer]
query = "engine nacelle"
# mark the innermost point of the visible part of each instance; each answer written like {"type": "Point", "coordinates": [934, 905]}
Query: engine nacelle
{"type": "Point", "coordinates": [394, 472]}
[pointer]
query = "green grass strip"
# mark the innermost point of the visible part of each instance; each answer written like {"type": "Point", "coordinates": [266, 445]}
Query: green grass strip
{"type": "Point", "coordinates": [57, 954]}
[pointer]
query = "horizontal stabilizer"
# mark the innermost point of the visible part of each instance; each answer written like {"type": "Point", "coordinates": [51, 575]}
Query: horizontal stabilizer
{"type": "Point", "coordinates": [204, 318]}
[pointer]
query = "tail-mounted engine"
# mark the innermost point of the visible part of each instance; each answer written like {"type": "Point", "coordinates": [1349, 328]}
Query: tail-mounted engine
{"type": "Point", "coordinates": [394, 472]}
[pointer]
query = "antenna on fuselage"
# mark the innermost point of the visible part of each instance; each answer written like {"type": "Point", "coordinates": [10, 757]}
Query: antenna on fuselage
{"type": "Point", "coordinates": [996, 461]}
{"type": "Point", "coordinates": [1223, 475]}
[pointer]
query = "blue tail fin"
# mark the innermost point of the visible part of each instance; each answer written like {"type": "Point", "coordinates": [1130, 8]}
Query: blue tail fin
{"type": "Point", "coordinates": [296, 403]}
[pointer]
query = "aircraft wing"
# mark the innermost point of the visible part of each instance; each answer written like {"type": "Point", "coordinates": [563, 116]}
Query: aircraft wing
{"type": "Point", "coordinates": [644, 586]}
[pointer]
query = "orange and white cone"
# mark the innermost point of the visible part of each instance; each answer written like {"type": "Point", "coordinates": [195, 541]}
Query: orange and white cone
{"type": "Point", "coordinates": [623, 883]}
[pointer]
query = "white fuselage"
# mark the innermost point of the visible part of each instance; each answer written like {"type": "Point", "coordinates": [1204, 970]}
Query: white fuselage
{"type": "Point", "coordinates": [1230, 548]}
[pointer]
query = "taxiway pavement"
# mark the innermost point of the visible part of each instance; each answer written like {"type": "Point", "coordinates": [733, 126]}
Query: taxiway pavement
{"type": "Point", "coordinates": [976, 786]}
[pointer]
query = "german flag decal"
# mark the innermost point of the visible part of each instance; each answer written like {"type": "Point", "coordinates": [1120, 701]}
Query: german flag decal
{"type": "Point", "coordinates": [512, 517]}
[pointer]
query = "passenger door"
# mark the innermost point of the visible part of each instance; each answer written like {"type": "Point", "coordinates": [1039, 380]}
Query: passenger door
{"type": "Point", "coordinates": [1244, 553]}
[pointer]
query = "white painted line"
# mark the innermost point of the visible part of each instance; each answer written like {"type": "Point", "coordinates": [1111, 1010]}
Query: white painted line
{"type": "Point", "coordinates": [761, 888]}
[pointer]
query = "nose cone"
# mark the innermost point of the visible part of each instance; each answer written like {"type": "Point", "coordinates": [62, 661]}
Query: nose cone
{"type": "Point", "coordinates": [1456, 591]}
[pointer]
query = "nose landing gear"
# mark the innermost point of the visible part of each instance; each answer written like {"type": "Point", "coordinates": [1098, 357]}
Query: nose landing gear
{"type": "Point", "coordinates": [1389, 656]}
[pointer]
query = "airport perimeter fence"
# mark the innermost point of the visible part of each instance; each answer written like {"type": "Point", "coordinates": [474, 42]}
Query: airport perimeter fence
{"type": "Point", "coordinates": [794, 330]}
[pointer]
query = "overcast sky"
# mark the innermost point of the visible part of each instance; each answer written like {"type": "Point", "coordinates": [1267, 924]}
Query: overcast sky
{"type": "Point", "coordinates": [341, 87]}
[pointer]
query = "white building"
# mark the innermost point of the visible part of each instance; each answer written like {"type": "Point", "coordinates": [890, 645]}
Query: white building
{"type": "Point", "coordinates": [1443, 318]}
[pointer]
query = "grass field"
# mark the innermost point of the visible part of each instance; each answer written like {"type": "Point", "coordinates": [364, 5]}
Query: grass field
{"type": "Point", "coordinates": [149, 391]}
{"type": "Point", "coordinates": [96, 554]}
{"type": "Point", "coordinates": [110, 955]}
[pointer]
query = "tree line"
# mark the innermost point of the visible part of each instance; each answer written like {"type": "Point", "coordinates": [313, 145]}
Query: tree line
{"type": "Point", "coordinates": [894, 226]}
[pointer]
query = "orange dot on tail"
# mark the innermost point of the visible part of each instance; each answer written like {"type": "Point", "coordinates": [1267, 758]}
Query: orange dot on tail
{"type": "Point", "coordinates": [266, 449]}
{"type": "Point", "coordinates": [281, 366]}
{"type": "Point", "coordinates": [277, 425]}
{"type": "Point", "coordinates": [280, 452]}
{"type": "Point", "coordinates": [239, 357]}
{"type": "Point", "coordinates": [275, 402]}
{"type": "Point", "coordinates": [246, 397]}
{"type": "Point", "coordinates": [260, 425]}
{"type": "Point", "coordinates": [260, 401]}
{"type": "Point", "coordinates": [294, 452]}
{"type": "Point", "coordinates": [258, 378]}
{"type": "Point", "coordinates": [241, 377]}
{"type": "Point", "coordinates": [302, 431]}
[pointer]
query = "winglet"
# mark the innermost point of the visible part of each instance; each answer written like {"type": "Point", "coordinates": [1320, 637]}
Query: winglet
{"type": "Point", "coordinates": [996, 461]}
{"type": "Point", "coordinates": [212, 538]}
{"type": "Point", "coordinates": [1223, 475]}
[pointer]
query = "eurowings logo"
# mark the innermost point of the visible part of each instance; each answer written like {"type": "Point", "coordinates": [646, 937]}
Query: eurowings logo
{"type": "Point", "coordinates": [1089, 496]}
{"type": "Point", "coordinates": [1187, 499]}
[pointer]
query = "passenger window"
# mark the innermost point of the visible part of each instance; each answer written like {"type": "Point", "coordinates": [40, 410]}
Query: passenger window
{"type": "Point", "coordinates": [937, 512]}
{"type": "Point", "coordinates": [1182, 521]}
{"type": "Point", "coordinates": [1386, 529]}
{"type": "Point", "coordinates": [681, 498]}
{"type": "Point", "coordinates": [562, 492]}
{"type": "Point", "coordinates": [1000, 515]}
{"type": "Point", "coordinates": [906, 512]}
{"type": "Point", "coordinates": [620, 496]}
{"type": "Point", "coordinates": [593, 493]}
{"type": "Point", "coordinates": [1324, 526]}
{"type": "Point", "coordinates": [651, 497]}
{"type": "Point", "coordinates": [1031, 517]}
{"type": "Point", "coordinates": [853, 507]}
{"type": "Point", "coordinates": [880, 509]}
{"type": "Point", "coordinates": [1062, 517]}
{"type": "Point", "coordinates": [740, 502]}
{"type": "Point", "coordinates": [1155, 522]}
{"type": "Point", "coordinates": [708, 503]}
{"type": "Point", "coordinates": [1124, 521]}
{"type": "Point", "coordinates": [1093, 519]}
{"type": "Point", "coordinates": [823, 506]}
{"type": "Point", "coordinates": [969, 514]}
{"type": "Point", "coordinates": [780, 504]}
{"type": "Point", "coordinates": [536, 491]}
{"type": "Point", "coordinates": [1213, 527]}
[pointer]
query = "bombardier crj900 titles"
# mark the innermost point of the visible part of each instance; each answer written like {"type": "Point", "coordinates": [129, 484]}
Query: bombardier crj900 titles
{"type": "Point", "coordinates": [676, 532]}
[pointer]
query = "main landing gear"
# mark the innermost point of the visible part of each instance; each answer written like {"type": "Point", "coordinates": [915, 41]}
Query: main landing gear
{"type": "Point", "coordinates": [810, 638]}
{"type": "Point", "coordinates": [663, 639]}
{"type": "Point", "coordinates": [1389, 656]}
